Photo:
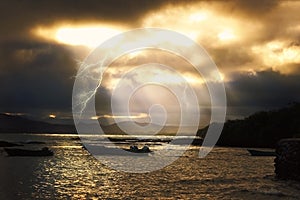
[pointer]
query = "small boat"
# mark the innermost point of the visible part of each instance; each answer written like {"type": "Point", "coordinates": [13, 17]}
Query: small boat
{"type": "Point", "coordinates": [135, 149]}
{"type": "Point", "coordinates": [25, 152]}
{"type": "Point", "coordinates": [102, 150]}
{"type": "Point", "coordinates": [261, 153]}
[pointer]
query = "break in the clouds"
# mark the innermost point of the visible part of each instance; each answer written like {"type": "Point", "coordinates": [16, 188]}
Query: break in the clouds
{"type": "Point", "coordinates": [18, 17]}
{"type": "Point", "coordinates": [255, 44]}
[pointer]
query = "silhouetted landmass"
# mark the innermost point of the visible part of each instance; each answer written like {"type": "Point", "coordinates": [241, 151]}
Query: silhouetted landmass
{"type": "Point", "coordinates": [262, 129]}
{"type": "Point", "coordinates": [18, 124]}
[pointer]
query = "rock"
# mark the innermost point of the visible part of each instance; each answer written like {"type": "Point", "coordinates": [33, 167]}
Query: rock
{"type": "Point", "coordinates": [8, 144]}
{"type": "Point", "coordinates": [287, 161]}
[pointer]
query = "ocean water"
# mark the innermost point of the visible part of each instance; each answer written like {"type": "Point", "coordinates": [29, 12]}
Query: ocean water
{"type": "Point", "coordinates": [72, 173]}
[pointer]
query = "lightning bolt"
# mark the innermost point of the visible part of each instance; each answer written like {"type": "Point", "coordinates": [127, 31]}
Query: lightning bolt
{"type": "Point", "coordinates": [89, 74]}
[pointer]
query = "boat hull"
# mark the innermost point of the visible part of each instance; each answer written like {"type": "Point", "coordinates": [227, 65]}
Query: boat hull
{"type": "Point", "coordinates": [261, 153]}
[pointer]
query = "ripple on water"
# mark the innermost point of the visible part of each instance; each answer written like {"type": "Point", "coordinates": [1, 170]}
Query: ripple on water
{"type": "Point", "coordinates": [226, 173]}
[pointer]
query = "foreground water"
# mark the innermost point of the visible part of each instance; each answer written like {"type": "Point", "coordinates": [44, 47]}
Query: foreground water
{"type": "Point", "coordinates": [226, 173]}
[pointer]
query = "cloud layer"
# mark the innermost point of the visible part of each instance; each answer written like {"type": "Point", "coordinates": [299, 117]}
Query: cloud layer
{"type": "Point", "coordinates": [254, 43]}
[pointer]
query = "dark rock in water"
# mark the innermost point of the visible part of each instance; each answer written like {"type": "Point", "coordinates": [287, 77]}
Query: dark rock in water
{"type": "Point", "coordinates": [8, 144]}
{"type": "Point", "coordinates": [287, 161]}
{"type": "Point", "coordinates": [33, 142]}
{"type": "Point", "coordinates": [25, 152]}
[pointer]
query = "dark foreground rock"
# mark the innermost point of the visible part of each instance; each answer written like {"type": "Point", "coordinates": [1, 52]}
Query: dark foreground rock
{"type": "Point", "coordinates": [8, 144]}
{"type": "Point", "coordinates": [287, 161]}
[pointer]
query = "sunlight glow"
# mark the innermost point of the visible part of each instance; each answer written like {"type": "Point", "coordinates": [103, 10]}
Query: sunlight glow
{"type": "Point", "coordinates": [277, 54]}
{"type": "Point", "coordinates": [226, 35]}
{"type": "Point", "coordinates": [165, 78]}
{"type": "Point", "coordinates": [88, 36]}
{"type": "Point", "coordinates": [14, 114]}
{"type": "Point", "coordinates": [202, 24]}
{"type": "Point", "coordinates": [92, 36]}
{"type": "Point", "coordinates": [160, 78]}
{"type": "Point", "coordinates": [52, 116]}
{"type": "Point", "coordinates": [197, 17]}
{"type": "Point", "coordinates": [114, 75]}
{"type": "Point", "coordinates": [137, 116]}
{"type": "Point", "coordinates": [198, 24]}
{"type": "Point", "coordinates": [192, 79]}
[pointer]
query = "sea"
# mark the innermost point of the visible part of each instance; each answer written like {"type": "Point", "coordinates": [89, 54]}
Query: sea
{"type": "Point", "coordinates": [73, 173]}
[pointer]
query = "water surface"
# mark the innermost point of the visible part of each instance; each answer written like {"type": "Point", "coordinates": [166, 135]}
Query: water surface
{"type": "Point", "coordinates": [226, 173]}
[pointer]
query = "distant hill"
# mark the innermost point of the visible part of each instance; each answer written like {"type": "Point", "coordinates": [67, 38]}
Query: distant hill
{"type": "Point", "coordinates": [150, 129]}
{"type": "Point", "coordinates": [19, 124]}
{"type": "Point", "coordinates": [262, 129]}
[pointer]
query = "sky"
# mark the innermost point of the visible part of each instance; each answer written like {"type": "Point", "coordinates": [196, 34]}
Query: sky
{"type": "Point", "coordinates": [255, 44]}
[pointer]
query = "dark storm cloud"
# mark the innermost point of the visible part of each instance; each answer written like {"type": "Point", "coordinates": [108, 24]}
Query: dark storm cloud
{"type": "Point", "coordinates": [253, 7]}
{"type": "Point", "coordinates": [36, 76]}
{"type": "Point", "coordinates": [103, 101]}
{"type": "Point", "coordinates": [245, 8]}
{"type": "Point", "coordinates": [265, 89]}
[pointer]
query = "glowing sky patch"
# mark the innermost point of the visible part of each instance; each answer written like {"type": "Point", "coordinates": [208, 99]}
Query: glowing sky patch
{"type": "Point", "coordinates": [133, 116]}
{"type": "Point", "coordinates": [14, 114]}
{"type": "Point", "coordinates": [52, 116]}
{"type": "Point", "coordinates": [86, 35]}
{"type": "Point", "coordinates": [226, 35]}
{"type": "Point", "coordinates": [161, 76]}
{"type": "Point", "coordinates": [277, 54]}
{"type": "Point", "coordinates": [198, 17]}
